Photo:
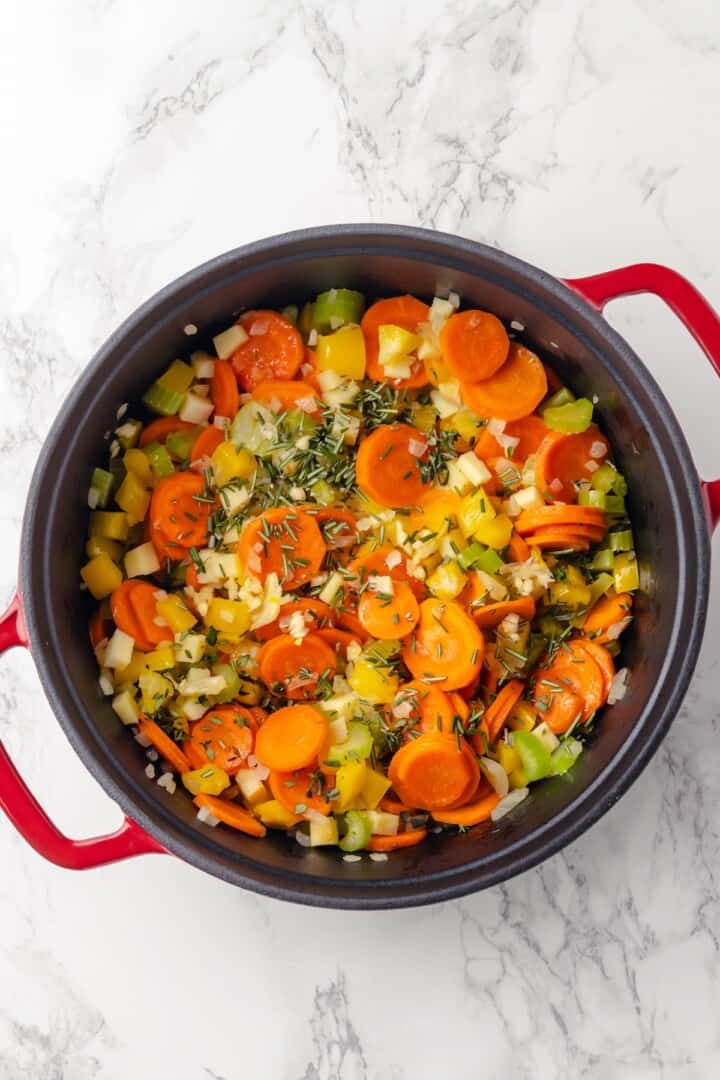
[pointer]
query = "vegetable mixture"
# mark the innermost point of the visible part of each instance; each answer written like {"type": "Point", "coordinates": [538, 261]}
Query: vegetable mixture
{"type": "Point", "coordinates": [361, 572]}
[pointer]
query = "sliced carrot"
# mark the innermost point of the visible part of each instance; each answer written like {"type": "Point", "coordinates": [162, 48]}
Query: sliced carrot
{"type": "Point", "coordinates": [283, 541]}
{"type": "Point", "coordinates": [404, 311]}
{"type": "Point", "coordinates": [471, 814]}
{"type": "Point", "coordinates": [164, 547]}
{"type": "Point", "coordinates": [206, 443]}
{"type": "Point", "coordinates": [474, 344]}
{"type": "Point", "coordinates": [338, 526]}
{"type": "Point", "coordinates": [513, 392]}
{"type": "Point", "coordinates": [348, 620]}
{"type": "Point", "coordinates": [562, 516]}
{"type": "Point", "coordinates": [460, 706]}
{"type": "Point", "coordinates": [363, 566]}
{"type": "Point", "coordinates": [284, 395]}
{"type": "Point", "coordinates": [291, 738]}
{"type": "Point", "coordinates": [225, 735]}
{"type": "Point", "coordinates": [143, 601]}
{"type": "Point", "coordinates": [563, 460]}
{"type": "Point", "coordinates": [316, 615]}
{"type": "Point", "coordinates": [195, 755]}
{"type": "Point", "coordinates": [231, 815]}
{"type": "Point", "coordinates": [393, 843]}
{"type": "Point", "coordinates": [446, 647]}
{"type": "Point", "coordinates": [339, 639]}
{"type": "Point", "coordinates": [309, 369]}
{"type": "Point", "coordinates": [609, 612]}
{"type": "Point", "coordinates": [158, 430]}
{"type": "Point", "coordinates": [125, 617]}
{"type": "Point", "coordinates": [180, 511]}
{"type": "Point", "coordinates": [493, 671]}
{"type": "Point", "coordinates": [389, 615]}
{"type": "Point", "coordinates": [164, 744]}
{"type": "Point", "coordinates": [296, 669]}
{"type": "Point", "coordinates": [100, 626]}
{"type": "Point", "coordinates": [294, 790]}
{"type": "Point", "coordinates": [562, 709]}
{"type": "Point", "coordinates": [530, 430]}
{"type": "Point", "coordinates": [498, 713]}
{"type": "Point", "coordinates": [604, 661]}
{"type": "Point", "coordinates": [432, 772]}
{"type": "Point", "coordinates": [386, 468]}
{"type": "Point", "coordinates": [433, 509]}
{"type": "Point", "coordinates": [559, 540]}
{"type": "Point", "coordinates": [518, 550]}
{"type": "Point", "coordinates": [274, 349]}
{"type": "Point", "coordinates": [488, 616]}
{"type": "Point", "coordinates": [572, 669]}
{"type": "Point", "coordinates": [394, 806]}
{"type": "Point", "coordinates": [224, 391]}
{"type": "Point", "coordinates": [418, 707]}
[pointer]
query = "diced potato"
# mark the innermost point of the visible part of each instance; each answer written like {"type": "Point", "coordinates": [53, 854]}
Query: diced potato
{"type": "Point", "coordinates": [342, 352]}
{"type": "Point", "coordinates": [102, 576]}
{"type": "Point", "coordinates": [98, 545]}
{"type": "Point", "coordinates": [476, 470]}
{"type": "Point", "coordinates": [218, 566]}
{"type": "Point", "coordinates": [231, 618]}
{"type": "Point", "coordinates": [383, 824]}
{"type": "Point", "coordinates": [141, 561]}
{"type": "Point", "coordinates": [375, 787]}
{"type": "Point", "coordinates": [229, 463]}
{"type": "Point", "coordinates": [323, 830]}
{"type": "Point", "coordinates": [252, 789]}
{"type": "Point", "coordinates": [473, 510]}
{"type": "Point", "coordinates": [529, 498]}
{"type": "Point", "coordinates": [375, 684]}
{"type": "Point", "coordinates": [137, 462]}
{"type": "Point", "coordinates": [229, 340]}
{"type": "Point", "coordinates": [126, 708]}
{"type": "Point", "coordinates": [207, 780]}
{"type": "Point", "coordinates": [349, 782]}
{"type": "Point", "coordinates": [118, 653]}
{"type": "Point", "coordinates": [447, 581]}
{"type": "Point", "coordinates": [195, 409]}
{"type": "Point", "coordinates": [275, 815]}
{"type": "Point", "coordinates": [175, 613]}
{"type": "Point", "coordinates": [495, 532]}
{"type": "Point", "coordinates": [109, 524]}
{"type": "Point", "coordinates": [134, 498]}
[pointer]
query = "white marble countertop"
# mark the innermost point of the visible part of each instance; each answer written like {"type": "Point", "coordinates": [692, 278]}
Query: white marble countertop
{"type": "Point", "coordinates": [140, 139]}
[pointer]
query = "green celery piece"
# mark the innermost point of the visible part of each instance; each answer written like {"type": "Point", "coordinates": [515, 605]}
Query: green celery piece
{"type": "Point", "coordinates": [614, 504]}
{"type": "Point", "coordinates": [297, 422]}
{"type": "Point", "coordinates": [621, 541]}
{"type": "Point", "coordinates": [128, 433]}
{"type": "Point", "coordinates": [563, 396]}
{"type": "Point", "coordinates": [603, 560]}
{"type": "Point", "coordinates": [478, 557]}
{"type": "Point", "coordinates": [337, 307]}
{"type": "Point", "coordinates": [102, 483]}
{"type": "Point", "coordinates": [291, 313]}
{"type": "Point", "coordinates": [572, 418]}
{"type": "Point", "coordinates": [324, 493]}
{"type": "Point", "coordinates": [162, 401]}
{"type": "Point", "coordinates": [160, 461]}
{"type": "Point", "coordinates": [565, 755]}
{"type": "Point", "coordinates": [305, 319]}
{"type": "Point", "coordinates": [356, 747]}
{"type": "Point", "coordinates": [232, 680]}
{"type": "Point", "coordinates": [535, 758]}
{"type": "Point", "coordinates": [180, 443]}
{"type": "Point", "coordinates": [592, 498]}
{"type": "Point", "coordinates": [357, 831]}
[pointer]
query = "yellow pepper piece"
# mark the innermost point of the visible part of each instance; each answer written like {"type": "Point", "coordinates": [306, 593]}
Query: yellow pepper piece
{"type": "Point", "coordinates": [136, 461]}
{"type": "Point", "coordinates": [625, 572]}
{"type": "Point", "coordinates": [518, 778]}
{"type": "Point", "coordinates": [98, 545]}
{"type": "Point", "coordinates": [178, 377]}
{"type": "Point", "coordinates": [424, 417]}
{"type": "Point", "coordinates": [568, 595]}
{"type": "Point", "coordinates": [433, 511]}
{"type": "Point", "coordinates": [160, 659]}
{"type": "Point", "coordinates": [495, 533]}
{"type": "Point", "coordinates": [208, 780]}
{"type": "Point", "coordinates": [109, 524]}
{"type": "Point", "coordinates": [134, 498]}
{"type": "Point", "coordinates": [175, 614]}
{"type": "Point", "coordinates": [447, 581]}
{"type": "Point", "coordinates": [349, 783]}
{"type": "Point", "coordinates": [230, 618]}
{"type": "Point", "coordinates": [375, 786]}
{"type": "Point", "coordinates": [102, 576]}
{"type": "Point", "coordinates": [374, 684]}
{"type": "Point", "coordinates": [228, 463]}
{"type": "Point", "coordinates": [275, 815]}
{"type": "Point", "coordinates": [523, 717]}
{"type": "Point", "coordinates": [508, 758]}
{"type": "Point", "coordinates": [396, 344]}
{"type": "Point", "coordinates": [342, 352]}
{"type": "Point", "coordinates": [435, 369]}
{"type": "Point", "coordinates": [467, 424]}
{"type": "Point", "coordinates": [473, 510]}
{"type": "Point", "coordinates": [133, 671]}
{"type": "Point", "coordinates": [155, 690]}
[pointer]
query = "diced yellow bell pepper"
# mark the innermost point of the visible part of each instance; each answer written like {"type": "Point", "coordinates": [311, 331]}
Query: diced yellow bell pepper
{"type": "Point", "coordinates": [252, 789]}
{"type": "Point", "coordinates": [208, 780]}
{"type": "Point", "coordinates": [323, 831]}
{"type": "Point", "coordinates": [230, 618]}
{"type": "Point", "coordinates": [436, 370]}
{"type": "Point", "coordinates": [155, 690]}
{"type": "Point", "coordinates": [102, 576]}
{"type": "Point", "coordinates": [424, 417]}
{"type": "Point", "coordinates": [464, 422]}
{"type": "Point", "coordinates": [374, 684]}
{"type": "Point", "coordinates": [375, 787]}
{"type": "Point", "coordinates": [136, 461]}
{"type": "Point", "coordinates": [625, 572]}
{"type": "Point", "coordinates": [275, 815]}
{"type": "Point", "coordinates": [568, 595]}
{"type": "Point", "coordinates": [133, 671]}
{"type": "Point", "coordinates": [160, 659]}
{"type": "Point", "coordinates": [396, 344]}
{"type": "Point", "coordinates": [434, 510]}
{"type": "Point", "coordinates": [99, 545]}
{"type": "Point", "coordinates": [447, 581]}
{"type": "Point", "coordinates": [495, 533]}
{"type": "Point", "coordinates": [175, 614]}
{"type": "Point", "coordinates": [178, 377]}
{"type": "Point", "coordinates": [508, 758]}
{"type": "Point", "coordinates": [349, 783]}
{"type": "Point", "coordinates": [518, 778]}
{"type": "Point", "coordinates": [109, 524]}
{"type": "Point", "coordinates": [600, 586]}
{"type": "Point", "coordinates": [133, 497]}
{"type": "Point", "coordinates": [473, 510]}
{"type": "Point", "coordinates": [523, 717]}
{"type": "Point", "coordinates": [342, 352]}
{"type": "Point", "coordinates": [228, 463]}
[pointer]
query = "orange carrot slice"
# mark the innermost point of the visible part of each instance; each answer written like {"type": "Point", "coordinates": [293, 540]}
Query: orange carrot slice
{"type": "Point", "coordinates": [284, 541]}
{"type": "Point", "coordinates": [296, 792]}
{"type": "Point", "coordinates": [472, 814]}
{"type": "Point", "coordinates": [404, 311]}
{"type": "Point", "coordinates": [207, 442]}
{"type": "Point", "coordinates": [432, 772]}
{"type": "Point", "coordinates": [530, 521]}
{"type": "Point", "coordinates": [474, 344]}
{"type": "Point", "coordinates": [225, 736]}
{"type": "Point", "coordinates": [389, 615]}
{"type": "Point", "coordinates": [447, 647]}
{"type": "Point", "coordinates": [179, 511]}
{"type": "Point", "coordinates": [498, 713]}
{"type": "Point", "coordinates": [231, 815]}
{"type": "Point", "coordinates": [283, 395]}
{"type": "Point", "coordinates": [530, 430]}
{"type": "Point", "coordinates": [295, 670]}
{"type": "Point", "coordinates": [158, 430]}
{"type": "Point", "coordinates": [274, 349]}
{"type": "Point", "coordinates": [393, 843]}
{"type": "Point", "coordinates": [386, 467]}
{"type": "Point", "coordinates": [563, 460]}
{"type": "Point", "coordinates": [608, 614]}
{"type": "Point", "coordinates": [164, 744]}
{"type": "Point", "coordinates": [291, 738]}
{"type": "Point", "coordinates": [418, 707]}
{"type": "Point", "coordinates": [224, 390]}
{"type": "Point", "coordinates": [513, 392]}
{"type": "Point", "coordinates": [488, 616]}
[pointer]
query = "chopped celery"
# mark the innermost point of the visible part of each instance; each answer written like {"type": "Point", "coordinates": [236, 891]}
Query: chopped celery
{"type": "Point", "coordinates": [590, 497]}
{"type": "Point", "coordinates": [356, 747]}
{"type": "Point", "coordinates": [163, 401]}
{"type": "Point", "coordinates": [565, 756]}
{"type": "Point", "coordinates": [160, 461]}
{"type": "Point", "coordinates": [254, 429]}
{"type": "Point", "coordinates": [600, 586]}
{"type": "Point", "coordinates": [606, 478]}
{"type": "Point", "coordinates": [478, 557]}
{"type": "Point", "coordinates": [128, 433]}
{"type": "Point", "coordinates": [621, 541]}
{"type": "Point", "coordinates": [232, 682]}
{"type": "Point", "coordinates": [291, 313]}
{"type": "Point", "coordinates": [323, 493]}
{"type": "Point", "coordinates": [180, 443]}
{"type": "Point", "coordinates": [535, 758]}
{"type": "Point", "coordinates": [614, 504]}
{"type": "Point", "coordinates": [550, 627]}
{"type": "Point", "coordinates": [305, 319]}
{"type": "Point", "coordinates": [178, 377]}
{"type": "Point", "coordinates": [563, 396]}
{"type": "Point", "coordinates": [603, 560]}
{"type": "Point", "coordinates": [572, 418]}
{"type": "Point", "coordinates": [337, 307]}
{"type": "Point", "coordinates": [101, 485]}
{"type": "Point", "coordinates": [626, 572]}
{"type": "Point", "coordinates": [357, 831]}
{"type": "Point", "coordinates": [297, 422]}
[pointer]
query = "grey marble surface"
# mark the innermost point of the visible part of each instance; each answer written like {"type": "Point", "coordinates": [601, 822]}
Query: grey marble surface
{"type": "Point", "coordinates": [139, 139]}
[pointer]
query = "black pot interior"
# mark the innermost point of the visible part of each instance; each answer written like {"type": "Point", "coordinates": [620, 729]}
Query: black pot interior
{"type": "Point", "coordinates": [648, 447]}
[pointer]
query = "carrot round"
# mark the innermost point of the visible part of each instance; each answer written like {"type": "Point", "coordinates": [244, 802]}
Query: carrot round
{"type": "Point", "coordinates": [394, 806]}
{"type": "Point", "coordinates": [291, 738]}
{"type": "Point", "coordinates": [559, 539]}
{"type": "Point", "coordinates": [404, 311]}
{"type": "Point", "coordinates": [607, 612]}
{"type": "Point", "coordinates": [360, 568]}
{"type": "Point", "coordinates": [125, 618]}
{"type": "Point", "coordinates": [178, 510]}
{"type": "Point", "coordinates": [296, 669]}
{"type": "Point", "coordinates": [100, 626]}
{"type": "Point", "coordinates": [143, 599]}
{"type": "Point", "coordinates": [338, 640]}
{"type": "Point", "coordinates": [386, 469]}
{"type": "Point", "coordinates": [562, 709]}
{"type": "Point", "coordinates": [518, 550]}
{"type": "Point", "coordinates": [283, 395]}
{"type": "Point", "coordinates": [563, 460]}
{"type": "Point", "coordinates": [158, 430]}
{"type": "Point", "coordinates": [224, 390]}
{"type": "Point", "coordinates": [206, 443]}
{"type": "Point", "coordinates": [474, 344]}
{"type": "Point", "coordinates": [573, 669]}
{"type": "Point", "coordinates": [530, 430]}
{"type": "Point", "coordinates": [195, 755]}
{"type": "Point", "coordinates": [164, 744]}
{"type": "Point", "coordinates": [316, 615]}
{"type": "Point", "coordinates": [295, 789]}
{"type": "Point", "coordinates": [471, 814]}
{"type": "Point", "coordinates": [338, 526]}
{"type": "Point", "coordinates": [419, 707]}
{"type": "Point", "coordinates": [447, 646]}
{"type": "Point", "coordinates": [224, 736]}
{"type": "Point", "coordinates": [491, 615]}
{"type": "Point", "coordinates": [231, 815]}
{"type": "Point", "coordinates": [391, 615]}
{"type": "Point", "coordinates": [604, 661]}
{"type": "Point", "coordinates": [530, 521]}
{"type": "Point", "coordinates": [498, 712]}
{"type": "Point", "coordinates": [274, 349]}
{"type": "Point", "coordinates": [460, 706]}
{"type": "Point", "coordinates": [393, 843]}
{"type": "Point", "coordinates": [513, 392]}
{"type": "Point", "coordinates": [284, 541]}
{"type": "Point", "coordinates": [432, 772]}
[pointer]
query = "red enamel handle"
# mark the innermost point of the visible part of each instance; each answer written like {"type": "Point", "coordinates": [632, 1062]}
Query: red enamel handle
{"type": "Point", "coordinates": [681, 297]}
{"type": "Point", "coordinates": [28, 816]}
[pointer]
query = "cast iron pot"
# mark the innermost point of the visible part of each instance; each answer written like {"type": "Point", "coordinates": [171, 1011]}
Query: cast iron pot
{"type": "Point", "coordinates": [672, 512]}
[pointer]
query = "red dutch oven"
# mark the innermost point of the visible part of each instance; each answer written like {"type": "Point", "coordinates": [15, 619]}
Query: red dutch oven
{"type": "Point", "coordinates": [672, 511]}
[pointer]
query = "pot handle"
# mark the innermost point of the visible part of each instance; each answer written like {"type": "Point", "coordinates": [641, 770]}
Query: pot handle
{"type": "Point", "coordinates": [30, 819]}
{"type": "Point", "coordinates": [681, 297]}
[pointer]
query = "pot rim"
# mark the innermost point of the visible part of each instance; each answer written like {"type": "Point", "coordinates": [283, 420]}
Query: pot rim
{"type": "Point", "coordinates": [605, 788]}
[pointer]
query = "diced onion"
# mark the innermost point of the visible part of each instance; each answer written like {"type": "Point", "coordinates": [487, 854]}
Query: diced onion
{"type": "Point", "coordinates": [378, 856]}
{"type": "Point", "coordinates": [511, 800]}
{"type": "Point", "coordinates": [495, 427]}
{"type": "Point", "coordinates": [555, 485]}
{"type": "Point", "coordinates": [618, 687]}
{"type": "Point", "coordinates": [417, 447]}
{"type": "Point", "coordinates": [393, 559]}
{"type": "Point", "coordinates": [206, 817]}
{"type": "Point", "coordinates": [614, 631]}
{"type": "Point", "coordinates": [598, 449]}
{"type": "Point", "coordinates": [496, 775]}
{"type": "Point", "coordinates": [195, 409]}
